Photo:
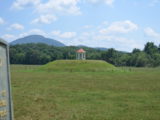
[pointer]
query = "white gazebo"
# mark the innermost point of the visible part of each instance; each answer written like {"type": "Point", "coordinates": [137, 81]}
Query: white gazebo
{"type": "Point", "coordinates": [80, 54]}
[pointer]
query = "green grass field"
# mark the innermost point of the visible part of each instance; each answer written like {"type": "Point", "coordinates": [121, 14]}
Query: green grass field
{"type": "Point", "coordinates": [118, 94]}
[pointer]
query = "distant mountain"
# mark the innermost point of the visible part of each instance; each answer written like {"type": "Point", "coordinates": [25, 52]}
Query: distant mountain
{"type": "Point", "coordinates": [37, 39]}
{"type": "Point", "coordinates": [82, 46]}
{"type": "Point", "coordinates": [101, 48]}
{"type": "Point", "coordinates": [98, 48]}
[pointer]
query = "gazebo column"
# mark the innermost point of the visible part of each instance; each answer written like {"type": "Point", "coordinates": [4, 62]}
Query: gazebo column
{"type": "Point", "coordinates": [79, 57]}
{"type": "Point", "coordinates": [84, 56]}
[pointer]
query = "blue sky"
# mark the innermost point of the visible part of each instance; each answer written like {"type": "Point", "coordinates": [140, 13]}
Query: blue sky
{"type": "Point", "coordinates": [119, 24]}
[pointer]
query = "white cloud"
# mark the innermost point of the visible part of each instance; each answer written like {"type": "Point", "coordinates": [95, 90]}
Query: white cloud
{"type": "Point", "coordinates": [50, 6]}
{"type": "Point", "coordinates": [37, 31]}
{"type": "Point", "coordinates": [50, 10]}
{"type": "Point", "coordinates": [1, 21]}
{"type": "Point", "coordinates": [154, 2]}
{"type": "Point", "coordinates": [150, 32]}
{"type": "Point", "coordinates": [56, 32]}
{"type": "Point", "coordinates": [20, 4]}
{"type": "Point", "coordinates": [87, 26]}
{"type": "Point", "coordinates": [68, 35]}
{"type": "Point", "coordinates": [8, 37]}
{"type": "Point", "coordinates": [153, 34]}
{"type": "Point", "coordinates": [59, 6]}
{"type": "Point", "coordinates": [16, 26]}
{"type": "Point", "coordinates": [108, 2]}
{"type": "Point", "coordinates": [121, 43]}
{"type": "Point", "coordinates": [46, 19]}
{"type": "Point", "coordinates": [34, 32]}
{"type": "Point", "coordinates": [56, 7]}
{"type": "Point", "coordinates": [120, 27]}
{"type": "Point", "coordinates": [95, 39]}
{"type": "Point", "coordinates": [65, 35]}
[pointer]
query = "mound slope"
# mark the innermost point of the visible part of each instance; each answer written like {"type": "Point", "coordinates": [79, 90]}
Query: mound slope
{"type": "Point", "coordinates": [78, 66]}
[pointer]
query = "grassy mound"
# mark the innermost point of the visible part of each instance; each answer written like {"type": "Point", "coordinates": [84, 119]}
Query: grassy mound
{"type": "Point", "coordinates": [78, 66]}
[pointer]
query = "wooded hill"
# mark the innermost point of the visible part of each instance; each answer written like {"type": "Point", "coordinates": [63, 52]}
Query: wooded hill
{"type": "Point", "coordinates": [38, 53]}
{"type": "Point", "coordinates": [37, 39]}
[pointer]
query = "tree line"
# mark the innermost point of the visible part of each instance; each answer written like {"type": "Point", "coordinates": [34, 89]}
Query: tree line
{"type": "Point", "coordinates": [41, 54]}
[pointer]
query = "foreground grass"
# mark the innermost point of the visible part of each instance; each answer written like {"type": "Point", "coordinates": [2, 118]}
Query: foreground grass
{"type": "Point", "coordinates": [112, 95]}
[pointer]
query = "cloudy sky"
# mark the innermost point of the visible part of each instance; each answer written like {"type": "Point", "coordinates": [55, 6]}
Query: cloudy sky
{"type": "Point", "coordinates": [119, 24]}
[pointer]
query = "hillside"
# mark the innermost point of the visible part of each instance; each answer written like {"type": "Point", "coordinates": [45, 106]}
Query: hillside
{"type": "Point", "coordinates": [37, 39]}
{"type": "Point", "coordinates": [78, 66]}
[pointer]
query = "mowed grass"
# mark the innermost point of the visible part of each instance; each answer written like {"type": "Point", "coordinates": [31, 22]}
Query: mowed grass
{"type": "Point", "coordinates": [127, 94]}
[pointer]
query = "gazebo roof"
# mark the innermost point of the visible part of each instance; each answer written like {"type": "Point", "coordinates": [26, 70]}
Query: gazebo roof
{"type": "Point", "coordinates": [81, 51]}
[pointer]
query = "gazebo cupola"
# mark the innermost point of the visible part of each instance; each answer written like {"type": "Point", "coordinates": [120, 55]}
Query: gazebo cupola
{"type": "Point", "coordinates": [80, 54]}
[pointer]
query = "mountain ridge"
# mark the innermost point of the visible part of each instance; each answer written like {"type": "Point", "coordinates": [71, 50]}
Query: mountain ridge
{"type": "Point", "coordinates": [37, 39]}
{"type": "Point", "coordinates": [48, 41]}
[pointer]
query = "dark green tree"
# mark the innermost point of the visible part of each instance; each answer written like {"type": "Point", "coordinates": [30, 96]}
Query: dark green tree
{"type": "Point", "coordinates": [150, 48]}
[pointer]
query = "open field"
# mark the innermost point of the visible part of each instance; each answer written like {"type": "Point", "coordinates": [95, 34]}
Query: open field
{"type": "Point", "coordinates": [127, 94]}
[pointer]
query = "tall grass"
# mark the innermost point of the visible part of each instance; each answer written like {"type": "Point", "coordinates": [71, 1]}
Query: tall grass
{"type": "Point", "coordinates": [105, 95]}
